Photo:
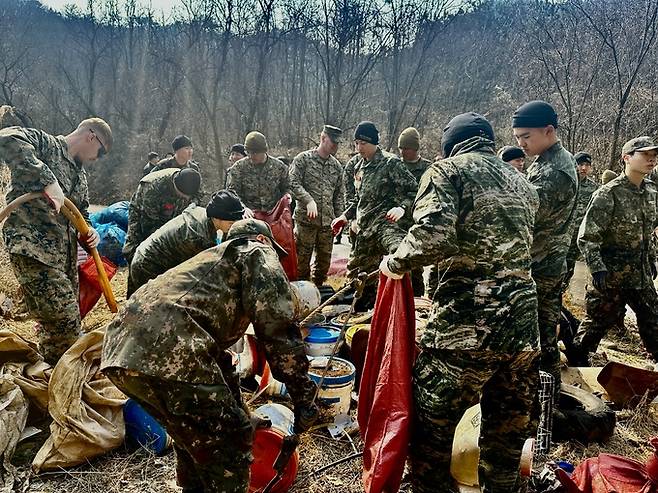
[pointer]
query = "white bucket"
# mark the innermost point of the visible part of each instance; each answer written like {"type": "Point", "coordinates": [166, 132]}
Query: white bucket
{"type": "Point", "coordinates": [305, 297]}
{"type": "Point", "coordinates": [282, 418]}
{"type": "Point", "coordinates": [336, 390]}
{"type": "Point", "coordinates": [321, 340]}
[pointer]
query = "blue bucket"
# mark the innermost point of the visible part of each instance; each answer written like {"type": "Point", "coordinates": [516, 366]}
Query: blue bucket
{"type": "Point", "coordinates": [143, 430]}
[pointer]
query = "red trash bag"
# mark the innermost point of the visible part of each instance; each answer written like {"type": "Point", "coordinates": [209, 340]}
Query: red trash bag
{"type": "Point", "coordinates": [609, 473]}
{"type": "Point", "coordinates": [90, 289]}
{"type": "Point", "coordinates": [280, 220]}
{"type": "Point", "coordinates": [385, 397]}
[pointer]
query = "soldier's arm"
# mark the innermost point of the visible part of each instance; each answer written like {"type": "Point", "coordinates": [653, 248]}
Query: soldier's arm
{"type": "Point", "coordinates": [348, 182]}
{"type": "Point", "coordinates": [233, 180]}
{"type": "Point", "coordinates": [339, 195]}
{"type": "Point", "coordinates": [19, 151]}
{"type": "Point", "coordinates": [267, 300]}
{"type": "Point", "coordinates": [284, 183]}
{"type": "Point", "coordinates": [407, 186]}
{"type": "Point", "coordinates": [433, 237]}
{"type": "Point", "coordinates": [296, 178]}
{"type": "Point", "coordinates": [134, 225]}
{"type": "Point", "coordinates": [593, 229]}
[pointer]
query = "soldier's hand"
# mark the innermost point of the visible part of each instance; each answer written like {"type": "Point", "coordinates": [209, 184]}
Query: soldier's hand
{"type": "Point", "coordinates": [90, 240]}
{"type": "Point", "coordinates": [248, 213]}
{"type": "Point", "coordinates": [312, 209]}
{"type": "Point", "coordinates": [55, 195]}
{"type": "Point", "coordinates": [395, 214]}
{"type": "Point", "coordinates": [338, 224]}
{"type": "Point", "coordinates": [305, 417]}
{"type": "Point", "coordinates": [383, 268]}
{"type": "Point", "coordinates": [599, 280]}
{"type": "Point", "coordinates": [257, 422]}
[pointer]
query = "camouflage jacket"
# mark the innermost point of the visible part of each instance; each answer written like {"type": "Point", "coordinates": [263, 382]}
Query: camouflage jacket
{"type": "Point", "coordinates": [37, 159]}
{"type": "Point", "coordinates": [154, 203]}
{"type": "Point", "coordinates": [418, 168]}
{"type": "Point", "coordinates": [474, 216]}
{"type": "Point", "coordinates": [314, 178]}
{"type": "Point", "coordinates": [586, 188]}
{"type": "Point", "coordinates": [259, 186]}
{"type": "Point", "coordinates": [616, 234]}
{"type": "Point", "coordinates": [553, 174]}
{"type": "Point", "coordinates": [173, 243]}
{"type": "Point", "coordinates": [348, 179]}
{"type": "Point", "coordinates": [170, 162]}
{"type": "Point", "coordinates": [385, 182]}
{"type": "Point", "coordinates": [179, 325]}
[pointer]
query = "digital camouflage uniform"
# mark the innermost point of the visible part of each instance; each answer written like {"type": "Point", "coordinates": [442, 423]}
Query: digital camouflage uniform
{"type": "Point", "coordinates": [259, 186]}
{"type": "Point", "coordinates": [586, 188]}
{"type": "Point", "coordinates": [474, 217]}
{"type": "Point", "coordinates": [617, 236]}
{"type": "Point", "coordinates": [167, 350]}
{"type": "Point", "coordinates": [385, 182]}
{"type": "Point", "coordinates": [155, 202]}
{"type": "Point", "coordinates": [350, 190]}
{"type": "Point", "coordinates": [42, 244]}
{"type": "Point", "coordinates": [417, 169]}
{"type": "Point", "coordinates": [321, 180]}
{"type": "Point", "coordinates": [171, 244]}
{"type": "Point", "coordinates": [553, 175]}
{"type": "Point", "coordinates": [171, 163]}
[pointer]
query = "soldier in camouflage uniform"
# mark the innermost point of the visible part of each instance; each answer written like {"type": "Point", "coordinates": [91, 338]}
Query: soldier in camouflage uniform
{"type": "Point", "coordinates": [316, 183]}
{"type": "Point", "coordinates": [514, 156]}
{"type": "Point", "coordinates": [349, 177]}
{"type": "Point", "coordinates": [160, 196]}
{"type": "Point", "coordinates": [586, 187]}
{"type": "Point", "coordinates": [260, 180]}
{"type": "Point", "coordinates": [182, 158]}
{"type": "Point", "coordinates": [553, 174]}
{"type": "Point", "coordinates": [381, 206]}
{"type": "Point", "coordinates": [408, 146]}
{"type": "Point", "coordinates": [473, 215]}
{"type": "Point", "coordinates": [42, 245]}
{"type": "Point", "coordinates": [617, 240]}
{"type": "Point", "coordinates": [183, 237]}
{"type": "Point", "coordinates": [167, 349]}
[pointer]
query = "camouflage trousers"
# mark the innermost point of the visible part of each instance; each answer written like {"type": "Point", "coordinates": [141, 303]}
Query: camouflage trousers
{"type": "Point", "coordinates": [549, 303]}
{"type": "Point", "coordinates": [603, 310]}
{"type": "Point", "coordinates": [51, 296]}
{"type": "Point", "coordinates": [211, 431]}
{"type": "Point", "coordinates": [446, 383]}
{"type": "Point", "coordinates": [309, 237]}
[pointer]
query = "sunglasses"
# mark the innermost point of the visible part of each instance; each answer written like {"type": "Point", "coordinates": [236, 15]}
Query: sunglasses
{"type": "Point", "coordinates": [102, 151]}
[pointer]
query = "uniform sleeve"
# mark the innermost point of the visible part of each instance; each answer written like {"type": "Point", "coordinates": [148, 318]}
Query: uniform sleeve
{"type": "Point", "coordinates": [233, 180]}
{"type": "Point", "coordinates": [433, 236]}
{"type": "Point", "coordinates": [554, 191]}
{"type": "Point", "coordinates": [296, 177]}
{"type": "Point", "coordinates": [19, 152]}
{"type": "Point", "coordinates": [594, 226]}
{"type": "Point", "coordinates": [134, 225]}
{"type": "Point", "coordinates": [267, 300]}
{"type": "Point", "coordinates": [339, 195]}
{"type": "Point", "coordinates": [284, 183]}
{"type": "Point", "coordinates": [407, 185]}
{"type": "Point", "coordinates": [348, 182]}
{"type": "Point", "coordinates": [83, 205]}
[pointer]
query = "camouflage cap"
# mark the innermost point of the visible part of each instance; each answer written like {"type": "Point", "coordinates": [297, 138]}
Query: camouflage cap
{"type": "Point", "coordinates": [249, 228]}
{"type": "Point", "coordinates": [334, 133]}
{"type": "Point", "coordinates": [583, 157]}
{"type": "Point", "coordinates": [644, 143]}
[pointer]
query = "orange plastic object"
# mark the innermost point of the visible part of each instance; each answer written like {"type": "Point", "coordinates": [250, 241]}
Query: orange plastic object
{"type": "Point", "coordinates": [266, 448]}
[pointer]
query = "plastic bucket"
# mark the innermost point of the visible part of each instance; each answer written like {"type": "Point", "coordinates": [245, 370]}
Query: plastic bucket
{"type": "Point", "coordinates": [305, 297]}
{"type": "Point", "coordinates": [349, 333]}
{"type": "Point", "coordinates": [266, 449]}
{"type": "Point", "coordinates": [143, 430]}
{"type": "Point", "coordinates": [317, 319]}
{"type": "Point", "coordinates": [282, 418]}
{"type": "Point", "coordinates": [320, 340]}
{"type": "Point", "coordinates": [336, 390]}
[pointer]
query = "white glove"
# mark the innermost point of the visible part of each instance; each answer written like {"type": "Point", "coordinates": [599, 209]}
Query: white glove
{"type": "Point", "coordinates": [248, 213]}
{"type": "Point", "coordinates": [92, 239]}
{"type": "Point", "coordinates": [312, 209]}
{"type": "Point", "coordinates": [395, 214]}
{"type": "Point", "coordinates": [383, 268]}
{"type": "Point", "coordinates": [55, 195]}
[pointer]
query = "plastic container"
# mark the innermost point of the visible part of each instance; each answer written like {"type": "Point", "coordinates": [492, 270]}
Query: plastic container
{"type": "Point", "coordinates": [282, 418]}
{"type": "Point", "coordinates": [317, 319]}
{"type": "Point", "coordinates": [349, 333]}
{"type": "Point", "coordinates": [336, 390]}
{"type": "Point", "coordinates": [143, 430]}
{"type": "Point", "coordinates": [305, 297]}
{"type": "Point", "coordinates": [266, 449]}
{"type": "Point", "coordinates": [321, 340]}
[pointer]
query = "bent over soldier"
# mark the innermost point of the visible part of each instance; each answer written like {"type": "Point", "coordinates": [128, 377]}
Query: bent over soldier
{"type": "Point", "coordinates": [167, 349]}
{"type": "Point", "coordinates": [473, 215]}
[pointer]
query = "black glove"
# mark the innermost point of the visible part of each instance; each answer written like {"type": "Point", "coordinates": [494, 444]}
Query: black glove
{"type": "Point", "coordinates": [305, 417]}
{"type": "Point", "coordinates": [599, 280]}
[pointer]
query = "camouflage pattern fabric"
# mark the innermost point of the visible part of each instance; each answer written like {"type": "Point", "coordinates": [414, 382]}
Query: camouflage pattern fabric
{"type": "Point", "coordinates": [171, 163]}
{"type": "Point", "coordinates": [171, 244]}
{"type": "Point", "coordinates": [175, 326]}
{"type": "Point", "coordinates": [51, 296]}
{"type": "Point", "coordinates": [586, 188]}
{"type": "Point", "coordinates": [309, 238]}
{"type": "Point", "coordinates": [474, 215]}
{"type": "Point", "coordinates": [211, 431]}
{"type": "Point", "coordinates": [417, 168]}
{"type": "Point", "coordinates": [259, 186]}
{"type": "Point", "coordinates": [348, 178]}
{"type": "Point", "coordinates": [617, 236]}
{"type": "Point", "coordinates": [155, 202]}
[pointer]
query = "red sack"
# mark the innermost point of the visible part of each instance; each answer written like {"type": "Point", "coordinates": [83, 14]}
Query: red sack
{"type": "Point", "coordinates": [609, 473]}
{"type": "Point", "coordinates": [385, 398]}
{"type": "Point", "coordinates": [90, 289]}
{"type": "Point", "coordinates": [280, 220]}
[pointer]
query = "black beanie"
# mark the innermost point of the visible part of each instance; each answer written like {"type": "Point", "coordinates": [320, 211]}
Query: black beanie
{"type": "Point", "coordinates": [508, 153]}
{"type": "Point", "coordinates": [239, 148]}
{"type": "Point", "coordinates": [188, 181]}
{"type": "Point", "coordinates": [463, 127]}
{"type": "Point", "coordinates": [367, 132]}
{"type": "Point", "coordinates": [152, 155]}
{"type": "Point", "coordinates": [224, 204]}
{"type": "Point", "coordinates": [535, 114]}
{"type": "Point", "coordinates": [583, 157]}
{"type": "Point", "coordinates": [181, 141]}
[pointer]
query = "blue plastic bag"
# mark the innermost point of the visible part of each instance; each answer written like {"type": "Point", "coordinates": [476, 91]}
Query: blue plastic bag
{"type": "Point", "coordinates": [116, 213]}
{"type": "Point", "coordinates": [112, 239]}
